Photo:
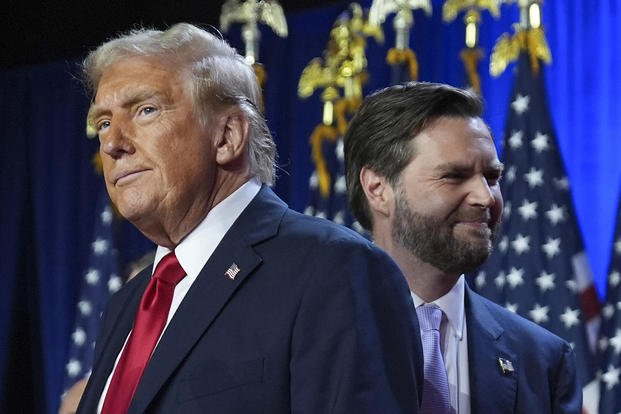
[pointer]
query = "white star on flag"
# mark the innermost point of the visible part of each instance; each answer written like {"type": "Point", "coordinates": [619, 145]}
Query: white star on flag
{"type": "Point", "coordinates": [513, 307]}
{"type": "Point", "coordinates": [534, 177]}
{"type": "Point", "coordinates": [570, 317]}
{"type": "Point", "coordinates": [545, 281]}
{"type": "Point", "coordinates": [313, 182]}
{"type": "Point", "coordinates": [515, 140]}
{"type": "Point", "coordinates": [85, 307]}
{"type": "Point", "coordinates": [106, 215]}
{"type": "Point", "coordinates": [552, 247]}
{"type": "Point", "coordinates": [611, 377]}
{"type": "Point", "coordinates": [339, 218]}
{"type": "Point", "coordinates": [539, 314]}
{"type": "Point", "coordinates": [511, 173]}
{"type": "Point", "coordinates": [520, 104]}
{"type": "Point", "coordinates": [506, 211]}
{"type": "Point", "coordinates": [78, 336]}
{"type": "Point", "coordinates": [540, 143]}
{"type": "Point", "coordinates": [613, 278]}
{"type": "Point", "coordinates": [479, 280]}
{"type": "Point", "coordinates": [92, 276]}
{"type": "Point", "coordinates": [528, 210]}
{"type": "Point", "coordinates": [562, 183]}
{"type": "Point", "coordinates": [339, 185]}
{"type": "Point", "coordinates": [615, 342]}
{"type": "Point", "coordinates": [357, 227]}
{"type": "Point", "coordinates": [100, 246]}
{"type": "Point", "coordinates": [572, 285]}
{"type": "Point", "coordinates": [114, 284]}
{"type": "Point", "coordinates": [500, 280]}
{"type": "Point", "coordinates": [521, 244]}
{"type": "Point", "coordinates": [503, 245]}
{"type": "Point", "coordinates": [340, 150]}
{"type": "Point", "coordinates": [515, 277]}
{"type": "Point", "coordinates": [618, 246]}
{"type": "Point", "coordinates": [73, 367]}
{"type": "Point", "coordinates": [556, 214]}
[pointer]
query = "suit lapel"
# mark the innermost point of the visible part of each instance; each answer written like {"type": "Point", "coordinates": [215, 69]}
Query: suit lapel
{"type": "Point", "coordinates": [491, 390]}
{"type": "Point", "coordinates": [210, 292]}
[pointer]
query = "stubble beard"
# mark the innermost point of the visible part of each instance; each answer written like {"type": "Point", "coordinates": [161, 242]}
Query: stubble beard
{"type": "Point", "coordinates": [433, 241]}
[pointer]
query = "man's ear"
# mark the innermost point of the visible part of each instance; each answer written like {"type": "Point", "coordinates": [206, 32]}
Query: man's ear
{"type": "Point", "coordinates": [378, 191]}
{"type": "Point", "coordinates": [232, 143]}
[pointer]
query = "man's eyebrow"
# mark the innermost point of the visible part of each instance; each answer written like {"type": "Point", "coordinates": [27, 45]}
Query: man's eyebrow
{"type": "Point", "coordinates": [128, 100]}
{"type": "Point", "coordinates": [453, 166]}
{"type": "Point", "coordinates": [463, 167]}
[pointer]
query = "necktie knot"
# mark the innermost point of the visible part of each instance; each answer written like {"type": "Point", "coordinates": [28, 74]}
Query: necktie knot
{"type": "Point", "coordinates": [429, 317]}
{"type": "Point", "coordinates": [169, 270]}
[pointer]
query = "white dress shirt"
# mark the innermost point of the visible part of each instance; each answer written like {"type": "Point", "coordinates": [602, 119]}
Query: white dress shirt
{"type": "Point", "coordinates": [454, 343]}
{"type": "Point", "coordinates": [195, 250]}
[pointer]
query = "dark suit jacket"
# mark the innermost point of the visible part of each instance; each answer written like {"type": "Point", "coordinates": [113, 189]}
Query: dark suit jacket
{"type": "Point", "coordinates": [318, 320]}
{"type": "Point", "coordinates": [544, 376]}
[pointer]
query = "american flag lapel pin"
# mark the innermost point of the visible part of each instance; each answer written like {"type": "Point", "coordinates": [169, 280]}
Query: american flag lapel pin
{"type": "Point", "coordinates": [232, 271]}
{"type": "Point", "coordinates": [506, 366]}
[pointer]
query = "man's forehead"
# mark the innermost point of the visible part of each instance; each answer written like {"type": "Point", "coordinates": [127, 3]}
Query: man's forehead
{"type": "Point", "coordinates": [454, 148]}
{"type": "Point", "coordinates": [139, 70]}
{"type": "Point", "coordinates": [127, 82]}
{"type": "Point", "coordinates": [130, 93]}
{"type": "Point", "coordinates": [453, 131]}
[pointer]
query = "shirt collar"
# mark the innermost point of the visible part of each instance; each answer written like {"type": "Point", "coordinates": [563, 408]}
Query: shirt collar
{"type": "Point", "coordinates": [194, 251]}
{"type": "Point", "coordinates": [452, 304]}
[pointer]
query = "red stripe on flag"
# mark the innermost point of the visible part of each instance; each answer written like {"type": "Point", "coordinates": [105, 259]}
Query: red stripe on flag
{"type": "Point", "coordinates": [589, 302]}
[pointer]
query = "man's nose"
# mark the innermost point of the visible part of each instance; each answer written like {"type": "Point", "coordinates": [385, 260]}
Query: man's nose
{"type": "Point", "coordinates": [118, 140]}
{"type": "Point", "coordinates": [480, 194]}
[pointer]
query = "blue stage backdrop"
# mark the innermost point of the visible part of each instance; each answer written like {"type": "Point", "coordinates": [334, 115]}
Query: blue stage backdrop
{"type": "Point", "coordinates": [48, 189]}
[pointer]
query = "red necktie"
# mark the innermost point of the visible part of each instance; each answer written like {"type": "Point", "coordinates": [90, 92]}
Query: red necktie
{"type": "Point", "coordinates": [148, 326]}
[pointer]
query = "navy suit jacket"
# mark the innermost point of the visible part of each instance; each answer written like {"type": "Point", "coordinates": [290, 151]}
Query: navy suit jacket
{"type": "Point", "coordinates": [318, 320]}
{"type": "Point", "coordinates": [543, 379]}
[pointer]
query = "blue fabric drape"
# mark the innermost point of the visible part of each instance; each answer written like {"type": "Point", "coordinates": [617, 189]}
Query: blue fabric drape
{"type": "Point", "coordinates": [46, 172]}
{"type": "Point", "coordinates": [50, 176]}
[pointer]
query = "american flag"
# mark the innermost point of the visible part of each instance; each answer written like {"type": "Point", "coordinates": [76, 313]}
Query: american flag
{"type": "Point", "coordinates": [610, 336]}
{"type": "Point", "coordinates": [334, 205]}
{"type": "Point", "coordinates": [100, 280]}
{"type": "Point", "coordinates": [539, 268]}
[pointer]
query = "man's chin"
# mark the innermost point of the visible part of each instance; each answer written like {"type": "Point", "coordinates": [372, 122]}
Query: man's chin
{"type": "Point", "coordinates": [130, 212]}
{"type": "Point", "coordinates": [472, 232]}
{"type": "Point", "coordinates": [475, 239]}
{"type": "Point", "coordinates": [473, 254]}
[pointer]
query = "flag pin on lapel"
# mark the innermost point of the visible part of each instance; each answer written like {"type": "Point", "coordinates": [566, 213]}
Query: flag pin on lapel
{"type": "Point", "coordinates": [232, 271]}
{"type": "Point", "coordinates": [506, 366]}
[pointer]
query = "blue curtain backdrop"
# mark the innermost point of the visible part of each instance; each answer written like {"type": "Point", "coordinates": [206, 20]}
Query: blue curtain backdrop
{"type": "Point", "coordinates": [48, 189]}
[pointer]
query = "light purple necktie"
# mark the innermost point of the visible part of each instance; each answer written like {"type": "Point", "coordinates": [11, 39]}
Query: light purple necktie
{"type": "Point", "coordinates": [436, 398]}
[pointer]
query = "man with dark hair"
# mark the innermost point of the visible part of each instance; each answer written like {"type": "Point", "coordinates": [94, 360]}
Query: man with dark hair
{"type": "Point", "coordinates": [249, 307]}
{"type": "Point", "coordinates": [423, 176]}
